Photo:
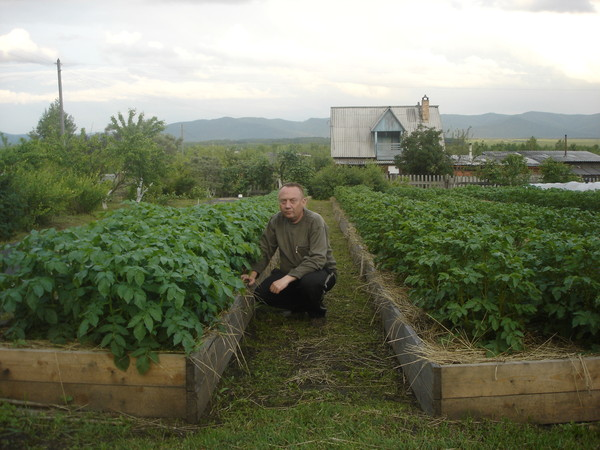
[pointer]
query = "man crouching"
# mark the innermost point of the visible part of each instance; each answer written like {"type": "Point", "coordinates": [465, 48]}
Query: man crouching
{"type": "Point", "coordinates": [307, 268]}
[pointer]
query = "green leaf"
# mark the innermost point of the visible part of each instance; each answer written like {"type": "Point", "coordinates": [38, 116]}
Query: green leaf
{"type": "Point", "coordinates": [126, 292]}
{"type": "Point", "coordinates": [148, 322]}
{"type": "Point", "coordinates": [143, 364]}
{"type": "Point", "coordinates": [122, 362]}
{"type": "Point", "coordinates": [139, 331]}
{"type": "Point", "coordinates": [51, 317]}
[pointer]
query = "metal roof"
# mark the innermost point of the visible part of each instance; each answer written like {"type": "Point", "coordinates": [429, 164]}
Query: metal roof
{"type": "Point", "coordinates": [537, 157]}
{"type": "Point", "coordinates": [351, 126]}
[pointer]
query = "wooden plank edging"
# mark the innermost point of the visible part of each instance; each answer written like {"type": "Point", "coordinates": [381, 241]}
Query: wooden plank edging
{"type": "Point", "coordinates": [548, 391]}
{"type": "Point", "coordinates": [176, 387]}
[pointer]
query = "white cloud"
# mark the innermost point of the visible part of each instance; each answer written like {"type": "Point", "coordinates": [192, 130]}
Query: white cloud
{"type": "Point", "coordinates": [275, 57]}
{"type": "Point", "coordinates": [17, 46]}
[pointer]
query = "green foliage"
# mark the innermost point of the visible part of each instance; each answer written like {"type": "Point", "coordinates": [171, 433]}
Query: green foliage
{"type": "Point", "coordinates": [423, 153]}
{"type": "Point", "coordinates": [133, 149]}
{"type": "Point", "coordinates": [552, 198]}
{"type": "Point", "coordinates": [512, 171]}
{"type": "Point", "coordinates": [323, 184]}
{"type": "Point", "coordinates": [556, 172]}
{"type": "Point", "coordinates": [44, 194]}
{"type": "Point", "coordinates": [49, 126]}
{"type": "Point", "coordinates": [87, 192]}
{"type": "Point", "coordinates": [145, 278]}
{"type": "Point", "coordinates": [11, 208]}
{"type": "Point", "coordinates": [491, 269]}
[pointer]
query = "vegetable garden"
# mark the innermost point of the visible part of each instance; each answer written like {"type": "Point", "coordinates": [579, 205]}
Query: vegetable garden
{"type": "Point", "coordinates": [143, 279]}
{"type": "Point", "coordinates": [494, 269]}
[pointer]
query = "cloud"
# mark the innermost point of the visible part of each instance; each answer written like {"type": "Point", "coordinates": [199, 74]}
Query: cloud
{"type": "Point", "coordinates": [18, 47]}
{"type": "Point", "coordinates": [559, 6]}
{"type": "Point", "coordinates": [24, 97]}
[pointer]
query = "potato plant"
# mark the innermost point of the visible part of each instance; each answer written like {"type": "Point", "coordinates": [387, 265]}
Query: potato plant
{"type": "Point", "coordinates": [143, 279]}
{"type": "Point", "coordinates": [492, 269]}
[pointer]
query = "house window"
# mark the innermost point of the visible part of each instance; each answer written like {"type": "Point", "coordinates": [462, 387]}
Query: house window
{"type": "Point", "coordinates": [387, 145]}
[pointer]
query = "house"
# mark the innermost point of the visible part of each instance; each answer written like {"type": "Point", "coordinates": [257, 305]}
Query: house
{"type": "Point", "coordinates": [582, 163]}
{"type": "Point", "coordinates": [372, 133]}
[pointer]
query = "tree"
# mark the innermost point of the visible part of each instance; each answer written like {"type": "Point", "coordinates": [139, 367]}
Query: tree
{"type": "Point", "coordinates": [556, 172]}
{"type": "Point", "coordinates": [511, 171]}
{"type": "Point", "coordinates": [135, 153]}
{"type": "Point", "coordinates": [458, 143]}
{"type": "Point", "coordinates": [532, 144]}
{"type": "Point", "coordinates": [423, 153]}
{"type": "Point", "coordinates": [48, 126]}
{"type": "Point", "coordinates": [292, 166]}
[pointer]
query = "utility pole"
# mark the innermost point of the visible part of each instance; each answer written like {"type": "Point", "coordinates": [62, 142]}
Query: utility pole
{"type": "Point", "coordinates": [60, 100]}
{"type": "Point", "coordinates": [181, 137]}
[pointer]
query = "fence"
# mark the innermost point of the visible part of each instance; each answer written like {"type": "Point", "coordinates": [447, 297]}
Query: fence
{"type": "Point", "coordinates": [441, 181]}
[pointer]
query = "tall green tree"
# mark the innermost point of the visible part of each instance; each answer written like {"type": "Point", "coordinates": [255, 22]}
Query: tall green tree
{"type": "Point", "coordinates": [134, 151]}
{"type": "Point", "coordinates": [512, 171]}
{"type": "Point", "coordinates": [48, 126]}
{"type": "Point", "coordinates": [423, 153]}
{"type": "Point", "coordinates": [291, 165]}
{"type": "Point", "coordinates": [556, 172]}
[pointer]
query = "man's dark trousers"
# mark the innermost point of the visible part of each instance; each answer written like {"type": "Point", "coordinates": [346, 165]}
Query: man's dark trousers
{"type": "Point", "coordinates": [305, 294]}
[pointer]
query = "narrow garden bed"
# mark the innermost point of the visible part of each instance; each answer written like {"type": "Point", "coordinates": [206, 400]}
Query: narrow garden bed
{"type": "Point", "coordinates": [540, 391]}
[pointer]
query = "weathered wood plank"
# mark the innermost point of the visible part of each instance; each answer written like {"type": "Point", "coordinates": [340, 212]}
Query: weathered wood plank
{"type": "Point", "coordinates": [558, 407]}
{"type": "Point", "coordinates": [521, 377]}
{"type": "Point", "coordinates": [206, 366]}
{"type": "Point", "coordinates": [142, 401]}
{"type": "Point", "coordinates": [55, 365]}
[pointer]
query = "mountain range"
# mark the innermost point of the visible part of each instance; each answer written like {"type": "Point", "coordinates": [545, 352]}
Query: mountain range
{"type": "Point", "coordinates": [502, 126]}
{"type": "Point", "coordinates": [540, 125]}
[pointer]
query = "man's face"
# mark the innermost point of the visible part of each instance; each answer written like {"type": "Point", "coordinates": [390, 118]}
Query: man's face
{"type": "Point", "coordinates": [292, 203]}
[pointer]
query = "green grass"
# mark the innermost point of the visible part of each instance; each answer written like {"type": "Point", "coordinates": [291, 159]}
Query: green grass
{"type": "Point", "coordinates": [299, 385]}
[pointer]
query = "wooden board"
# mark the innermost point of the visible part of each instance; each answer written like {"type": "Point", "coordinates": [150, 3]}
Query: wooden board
{"type": "Point", "coordinates": [137, 400]}
{"type": "Point", "coordinates": [205, 367]}
{"type": "Point", "coordinates": [546, 408]}
{"type": "Point", "coordinates": [521, 377]}
{"type": "Point", "coordinates": [91, 367]}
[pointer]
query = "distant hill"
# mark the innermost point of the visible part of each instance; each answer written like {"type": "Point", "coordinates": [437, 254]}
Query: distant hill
{"type": "Point", "coordinates": [14, 138]}
{"type": "Point", "coordinates": [248, 128]}
{"type": "Point", "coordinates": [501, 126]}
{"type": "Point", "coordinates": [538, 124]}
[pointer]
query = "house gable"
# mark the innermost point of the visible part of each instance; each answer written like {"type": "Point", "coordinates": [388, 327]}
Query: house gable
{"type": "Point", "coordinates": [371, 133]}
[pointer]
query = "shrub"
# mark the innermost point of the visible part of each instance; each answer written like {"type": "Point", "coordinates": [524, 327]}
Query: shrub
{"type": "Point", "coordinates": [87, 193]}
{"type": "Point", "coordinates": [44, 195]}
{"type": "Point", "coordinates": [11, 208]}
{"type": "Point", "coordinates": [326, 180]}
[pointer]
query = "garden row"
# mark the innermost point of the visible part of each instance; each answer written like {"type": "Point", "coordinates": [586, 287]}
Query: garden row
{"type": "Point", "coordinates": [144, 279]}
{"type": "Point", "coordinates": [554, 198]}
{"type": "Point", "coordinates": [494, 270]}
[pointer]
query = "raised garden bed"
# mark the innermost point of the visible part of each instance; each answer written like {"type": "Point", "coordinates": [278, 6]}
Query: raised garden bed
{"type": "Point", "coordinates": [176, 387]}
{"type": "Point", "coordinates": [544, 391]}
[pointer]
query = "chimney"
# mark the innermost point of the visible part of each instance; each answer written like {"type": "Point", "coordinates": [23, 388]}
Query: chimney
{"type": "Point", "coordinates": [425, 109]}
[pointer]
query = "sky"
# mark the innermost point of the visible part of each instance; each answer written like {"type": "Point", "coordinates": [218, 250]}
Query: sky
{"type": "Point", "coordinates": [184, 60]}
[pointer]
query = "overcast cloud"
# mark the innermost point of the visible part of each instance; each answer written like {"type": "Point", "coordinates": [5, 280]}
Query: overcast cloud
{"type": "Point", "coordinates": [294, 59]}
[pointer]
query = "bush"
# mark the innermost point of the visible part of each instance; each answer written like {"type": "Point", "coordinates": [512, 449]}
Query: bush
{"type": "Point", "coordinates": [87, 193]}
{"type": "Point", "coordinates": [11, 208]}
{"type": "Point", "coordinates": [326, 180]}
{"type": "Point", "coordinates": [44, 195]}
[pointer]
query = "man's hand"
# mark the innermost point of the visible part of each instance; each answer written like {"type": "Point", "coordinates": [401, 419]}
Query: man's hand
{"type": "Point", "coordinates": [249, 278]}
{"type": "Point", "coordinates": [279, 285]}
